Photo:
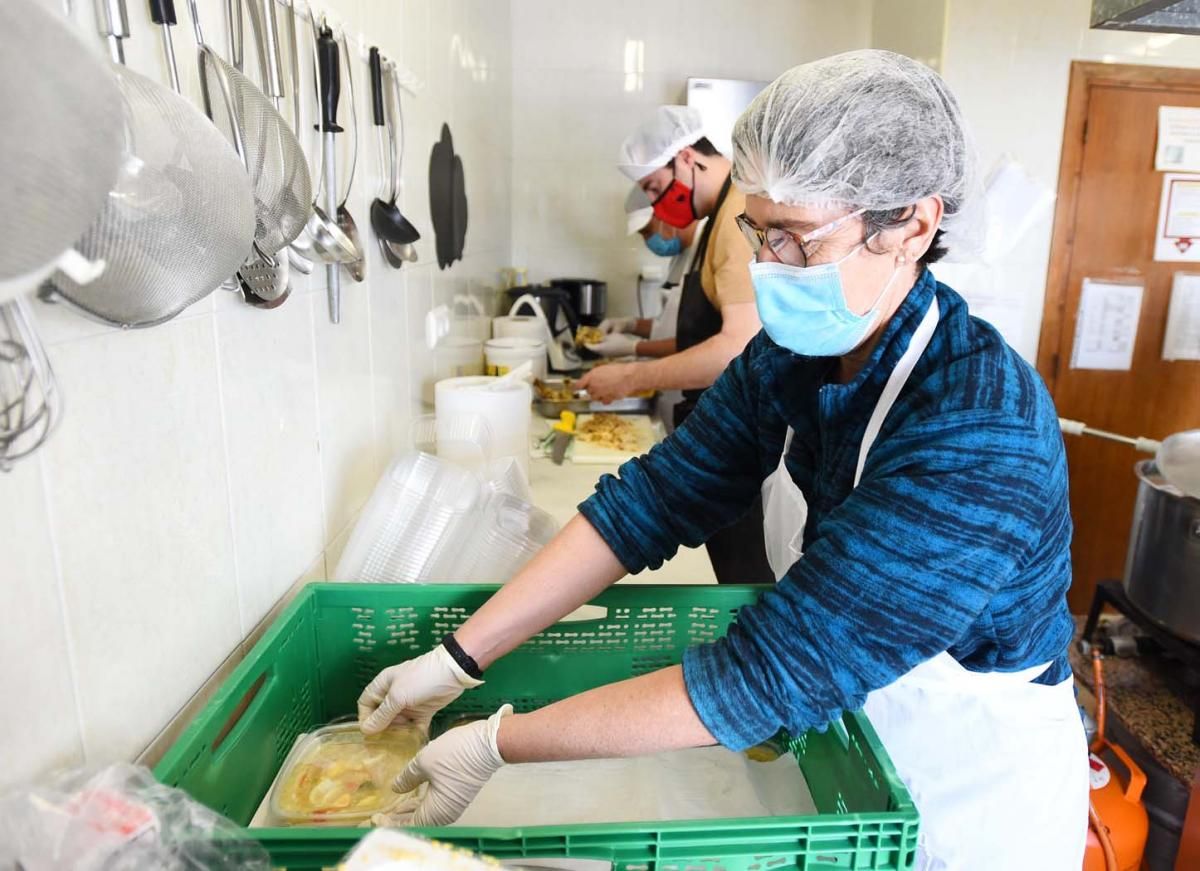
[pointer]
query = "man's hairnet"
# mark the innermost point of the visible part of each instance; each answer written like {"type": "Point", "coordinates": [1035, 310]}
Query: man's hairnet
{"type": "Point", "coordinates": [865, 129]}
{"type": "Point", "coordinates": [655, 141]}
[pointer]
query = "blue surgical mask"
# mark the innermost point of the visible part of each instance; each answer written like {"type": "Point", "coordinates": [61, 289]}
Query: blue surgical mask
{"type": "Point", "coordinates": [803, 308]}
{"type": "Point", "coordinates": [664, 247]}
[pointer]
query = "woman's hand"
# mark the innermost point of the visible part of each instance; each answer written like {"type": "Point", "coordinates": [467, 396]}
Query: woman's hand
{"type": "Point", "coordinates": [456, 766]}
{"type": "Point", "coordinates": [412, 691]}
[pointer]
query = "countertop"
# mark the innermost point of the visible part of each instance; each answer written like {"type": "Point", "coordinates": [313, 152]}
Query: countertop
{"type": "Point", "coordinates": [1151, 702]}
{"type": "Point", "coordinates": [559, 490]}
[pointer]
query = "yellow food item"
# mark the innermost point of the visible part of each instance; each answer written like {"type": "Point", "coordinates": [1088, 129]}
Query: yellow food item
{"type": "Point", "coordinates": [554, 392]}
{"type": "Point", "coordinates": [762, 753]}
{"type": "Point", "coordinates": [609, 431]}
{"type": "Point", "coordinates": [347, 772]}
{"type": "Point", "coordinates": [588, 336]}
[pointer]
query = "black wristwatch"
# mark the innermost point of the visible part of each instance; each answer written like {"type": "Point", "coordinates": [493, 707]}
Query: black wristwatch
{"type": "Point", "coordinates": [465, 661]}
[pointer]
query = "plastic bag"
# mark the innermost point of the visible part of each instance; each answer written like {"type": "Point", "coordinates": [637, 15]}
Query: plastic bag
{"type": "Point", "coordinates": [117, 819]}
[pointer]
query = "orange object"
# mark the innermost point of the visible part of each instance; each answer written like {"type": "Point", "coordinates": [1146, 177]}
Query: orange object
{"type": "Point", "coordinates": [1118, 823]}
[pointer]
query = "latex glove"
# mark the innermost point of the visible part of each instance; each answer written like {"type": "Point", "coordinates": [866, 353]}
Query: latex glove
{"type": "Point", "coordinates": [616, 345]}
{"type": "Point", "coordinates": [456, 766]}
{"type": "Point", "coordinates": [413, 691]}
{"type": "Point", "coordinates": [618, 325]}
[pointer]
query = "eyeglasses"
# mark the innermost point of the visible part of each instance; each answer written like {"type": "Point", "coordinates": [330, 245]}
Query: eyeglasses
{"type": "Point", "coordinates": [788, 247]}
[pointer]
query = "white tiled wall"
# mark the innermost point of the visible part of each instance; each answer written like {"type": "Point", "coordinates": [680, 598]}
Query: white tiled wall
{"type": "Point", "coordinates": [204, 466]}
{"type": "Point", "coordinates": [584, 74]}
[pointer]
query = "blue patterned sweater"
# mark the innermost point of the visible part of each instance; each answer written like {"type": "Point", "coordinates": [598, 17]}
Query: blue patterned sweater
{"type": "Point", "coordinates": [957, 537]}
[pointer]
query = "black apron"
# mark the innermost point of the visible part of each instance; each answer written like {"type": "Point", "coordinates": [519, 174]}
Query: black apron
{"type": "Point", "coordinates": [698, 319]}
{"type": "Point", "coordinates": [738, 552]}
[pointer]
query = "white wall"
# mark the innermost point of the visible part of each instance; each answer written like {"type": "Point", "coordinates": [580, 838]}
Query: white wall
{"type": "Point", "coordinates": [1009, 65]}
{"type": "Point", "coordinates": [204, 466]}
{"type": "Point", "coordinates": [586, 73]}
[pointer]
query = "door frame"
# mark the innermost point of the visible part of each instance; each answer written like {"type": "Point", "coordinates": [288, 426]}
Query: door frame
{"type": "Point", "coordinates": [1084, 76]}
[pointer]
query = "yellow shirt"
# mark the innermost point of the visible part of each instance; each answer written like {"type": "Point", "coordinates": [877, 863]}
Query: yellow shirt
{"type": "Point", "coordinates": [725, 272]}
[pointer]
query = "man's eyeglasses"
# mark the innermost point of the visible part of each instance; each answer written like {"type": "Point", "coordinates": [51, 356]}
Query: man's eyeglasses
{"type": "Point", "coordinates": [789, 248]}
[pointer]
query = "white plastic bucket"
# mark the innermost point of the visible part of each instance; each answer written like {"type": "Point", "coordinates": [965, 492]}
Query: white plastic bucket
{"type": "Point", "coordinates": [454, 357]}
{"type": "Point", "coordinates": [505, 409]}
{"type": "Point", "coordinates": [519, 327]}
{"type": "Point", "coordinates": [503, 355]}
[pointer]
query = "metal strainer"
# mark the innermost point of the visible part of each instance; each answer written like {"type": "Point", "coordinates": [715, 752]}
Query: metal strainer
{"type": "Point", "coordinates": [272, 155]}
{"type": "Point", "coordinates": [60, 142]}
{"type": "Point", "coordinates": [178, 220]}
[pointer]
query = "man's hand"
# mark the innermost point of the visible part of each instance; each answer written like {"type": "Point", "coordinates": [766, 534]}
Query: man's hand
{"type": "Point", "coordinates": [612, 382]}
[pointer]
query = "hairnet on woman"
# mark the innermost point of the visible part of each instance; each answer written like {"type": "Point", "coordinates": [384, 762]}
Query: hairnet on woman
{"type": "Point", "coordinates": [915, 496]}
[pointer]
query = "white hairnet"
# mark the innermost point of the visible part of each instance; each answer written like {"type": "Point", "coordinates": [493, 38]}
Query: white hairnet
{"type": "Point", "coordinates": [865, 129]}
{"type": "Point", "coordinates": [657, 140]}
{"type": "Point", "coordinates": [638, 210]}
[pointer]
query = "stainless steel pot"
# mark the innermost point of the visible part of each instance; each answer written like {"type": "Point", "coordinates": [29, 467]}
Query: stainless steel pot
{"type": "Point", "coordinates": [1162, 566]}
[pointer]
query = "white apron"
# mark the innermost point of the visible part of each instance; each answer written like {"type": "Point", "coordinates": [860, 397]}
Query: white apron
{"type": "Point", "coordinates": [996, 765]}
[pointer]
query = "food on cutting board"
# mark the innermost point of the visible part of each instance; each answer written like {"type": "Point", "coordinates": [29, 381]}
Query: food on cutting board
{"type": "Point", "coordinates": [589, 336]}
{"type": "Point", "coordinates": [342, 772]}
{"type": "Point", "coordinates": [609, 431]}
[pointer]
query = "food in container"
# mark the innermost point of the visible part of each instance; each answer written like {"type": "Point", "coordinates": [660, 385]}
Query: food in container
{"type": "Point", "coordinates": [339, 776]}
{"type": "Point", "coordinates": [588, 336]}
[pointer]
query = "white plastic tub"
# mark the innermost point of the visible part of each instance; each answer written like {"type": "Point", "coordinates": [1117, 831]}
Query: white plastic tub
{"type": "Point", "coordinates": [503, 355]}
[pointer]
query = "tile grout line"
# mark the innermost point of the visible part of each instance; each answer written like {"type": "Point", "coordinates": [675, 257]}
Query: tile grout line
{"type": "Point", "coordinates": [316, 304]}
{"type": "Point", "coordinates": [64, 611]}
{"type": "Point", "coordinates": [232, 513]}
{"type": "Point", "coordinates": [370, 289]}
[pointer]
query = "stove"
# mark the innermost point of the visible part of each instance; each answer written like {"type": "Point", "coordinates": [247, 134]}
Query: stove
{"type": "Point", "coordinates": [1182, 658]}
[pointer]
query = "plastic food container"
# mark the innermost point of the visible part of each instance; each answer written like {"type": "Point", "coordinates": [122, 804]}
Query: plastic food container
{"type": "Point", "coordinates": [413, 526]}
{"type": "Point", "coordinates": [510, 534]}
{"type": "Point", "coordinates": [339, 776]}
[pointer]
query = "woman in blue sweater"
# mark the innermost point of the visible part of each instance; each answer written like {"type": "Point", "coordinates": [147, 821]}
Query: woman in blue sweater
{"type": "Point", "coordinates": [915, 493]}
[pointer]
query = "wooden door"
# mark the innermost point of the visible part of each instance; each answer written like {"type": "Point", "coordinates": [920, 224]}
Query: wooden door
{"type": "Point", "coordinates": [1104, 228]}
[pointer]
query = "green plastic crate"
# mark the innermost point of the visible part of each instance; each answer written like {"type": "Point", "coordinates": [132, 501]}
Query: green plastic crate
{"type": "Point", "coordinates": [312, 663]}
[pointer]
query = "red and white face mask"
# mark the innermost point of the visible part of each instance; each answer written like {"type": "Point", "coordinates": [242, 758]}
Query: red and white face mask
{"type": "Point", "coordinates": [674, 205]}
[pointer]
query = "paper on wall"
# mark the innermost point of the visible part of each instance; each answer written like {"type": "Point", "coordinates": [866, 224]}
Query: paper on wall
{"type": "Point", "coordinates": [1182, 340]}
{"type": "Point", "coordinates": [1106, 325]}
{"type": "Point", "coordinates": [1013, 202]}
{"type": "Point", "coordinates": [1178, 139]}
{"type": "Point", "coordinates": [1177, 236]}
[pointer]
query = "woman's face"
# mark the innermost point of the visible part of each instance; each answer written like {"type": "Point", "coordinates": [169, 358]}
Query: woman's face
{"type": "Point", "coordinates": [865, 269]}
